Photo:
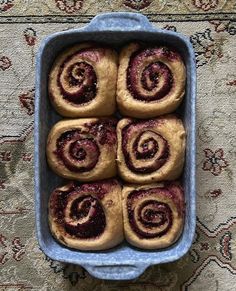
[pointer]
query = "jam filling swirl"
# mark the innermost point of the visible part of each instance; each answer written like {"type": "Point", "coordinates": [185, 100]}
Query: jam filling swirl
{"type": "Point", "coordinates": [79, 150]}
{"type": "Point", "coordinates": [77, 77]}
{"type": "Point", "coordinates": [144, 150]}
{"type": "Point", "coordinates": [149, 78]}
{"type": "Point", "coordinates": [80, 215]}
{"type": "Point", "coordinates": [149, 217]}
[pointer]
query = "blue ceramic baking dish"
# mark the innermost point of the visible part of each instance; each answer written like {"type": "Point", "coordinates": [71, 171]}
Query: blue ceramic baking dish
{"type": "Point", "coordinates": [115, 29]}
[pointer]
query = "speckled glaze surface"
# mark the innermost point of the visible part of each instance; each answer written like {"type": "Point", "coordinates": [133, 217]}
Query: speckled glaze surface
{"type": "Point", "coordinates": [116, 29]}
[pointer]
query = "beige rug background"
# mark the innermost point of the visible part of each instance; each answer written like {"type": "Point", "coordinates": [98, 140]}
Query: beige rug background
{"type": "Point", "coordinates": [211, 26]}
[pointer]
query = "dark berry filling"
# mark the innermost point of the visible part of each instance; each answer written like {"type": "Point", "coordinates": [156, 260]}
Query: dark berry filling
{"type": "Point", "coordinates": [81, 149]}
{"type": "Point", "coordinates": [150, 77]}
{"type": "Point", "coordinates": [170, 54]}
{"type": "Point", "coordinates": [94, 223]}
{"type": "Point", "coordinates": [154, 216]}
{"type": "Point", "coordinates": [76, 150]}
{"type": "Point", "coordinates": [147, 150]}
{"type": "Point", "coordinates": [86, 212]}
{"type": "Point", "coordinates": [78, 82]}
{"type": "Point", "coordinates": [105, 130]}
{"type": "Point", "coordinates": [80, 207]}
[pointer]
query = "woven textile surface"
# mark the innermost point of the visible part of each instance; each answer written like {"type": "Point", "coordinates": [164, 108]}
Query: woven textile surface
{"type": "Point", "coordinates": [211, 25]}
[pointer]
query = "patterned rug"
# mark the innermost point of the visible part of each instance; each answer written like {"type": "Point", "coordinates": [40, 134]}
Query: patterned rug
{"type": "Point", "coordinates": [211, 26]}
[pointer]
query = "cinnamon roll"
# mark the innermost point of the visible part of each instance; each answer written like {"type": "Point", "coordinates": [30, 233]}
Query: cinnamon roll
{"type": "Point", "coordinates": [153, 214]}
{"type": "Point", "coordinates": [82, 81]}
{"type": "Point", "coordinates": [83, 149]}
{"type": "Point", "coordinates": [151, 80]}
{"type": "Point", "coordinates": [150, 150]}
{"type": "Point", "coordinates": [87, 216]}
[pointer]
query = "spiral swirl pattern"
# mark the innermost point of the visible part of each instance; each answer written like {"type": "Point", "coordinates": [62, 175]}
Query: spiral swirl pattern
{"type": "Point", "coordinates": [82, 216]}
{"type": "Point", "coordinates": [87, 216]}
{"type": "Point", "coordinates": [154, 213]}
{"type": "Point", "coordinates": [148, 78]}
{"type": "Point", "coordinates": [145, 150]}
{"type": "Point", "coordinates": [151, 80]}
{"type": "Point", "coordinates": [150, 150]}
{"type": "Point", "coordinates": [82, 81]}
{"type": "Point", "coordinates": [78, 149]}
{"type": "Point", "coordinates": [76, 79]}
{"type": "Point", "coordinates": [149, 218]}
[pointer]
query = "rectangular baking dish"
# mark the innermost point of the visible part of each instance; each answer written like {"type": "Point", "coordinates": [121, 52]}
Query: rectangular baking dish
{"type": "Point", "coordinates": [115, 29]}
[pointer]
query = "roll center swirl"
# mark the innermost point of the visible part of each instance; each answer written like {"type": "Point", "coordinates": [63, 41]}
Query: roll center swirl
{"type": "Point", "coordinates": [153, 213]}
{"type": "Point", "coordinates": [80, 73]}
{"type": "Point", "coordinates": [83, 208]}
{"type": "Point", "coordinates": [84, 217]}
{"type": "Point", "coordinates": [148, 76]}
{"type": "Point", "coordinates": [77, 78]}
{"type": "Point", "coordinates": [145, 151]}
{"type": "Point", "coordinates": [78, 151]}
{"type": "Point", "coordinates": [148, 217]}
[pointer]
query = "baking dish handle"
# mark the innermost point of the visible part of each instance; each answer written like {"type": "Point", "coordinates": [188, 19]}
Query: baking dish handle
{"type": "Point", "coordinates": [116, 272]}
{"type": "Point", "coordinates": [119, 21]}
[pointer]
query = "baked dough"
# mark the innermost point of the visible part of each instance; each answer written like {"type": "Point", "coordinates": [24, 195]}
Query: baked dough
{"type": "Point", "coordinates": [151, 81]}
{"type": "Point", "coordinates": [82, 81]}
{"type": "Point", "coordinates": [83, 149]}
{"type": "Point", "coordinates": [150, 150]}
{"type": "Point", "coordinates": [153, 214]}
{"type": "Point", "coordinates": [87, 216]}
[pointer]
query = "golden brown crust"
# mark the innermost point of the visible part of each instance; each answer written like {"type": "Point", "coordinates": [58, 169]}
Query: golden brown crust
{"type": "Point", "coordinates": [106, 198]}
{"type": "Point", "coordinates": [97, 133]}
{"type": "Point", "coordinates": [103, 62]}
{"type": "Point", "coordinates": [128, 105]}
{"type": "Point", "coordinates": [161, 206]}
{"type": "Point", "coordinates": [168, 134]}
